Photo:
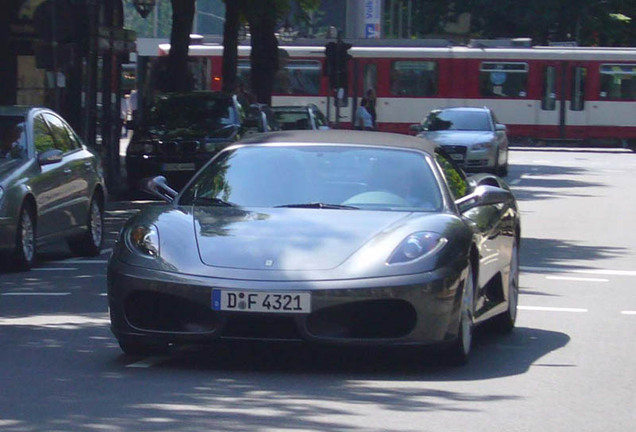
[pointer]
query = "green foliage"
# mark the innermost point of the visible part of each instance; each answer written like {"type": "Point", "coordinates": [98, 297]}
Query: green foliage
{"type": "Point", "coordinates": [157, 24]}
{"type": "Point", "coordinates": [590, 22]}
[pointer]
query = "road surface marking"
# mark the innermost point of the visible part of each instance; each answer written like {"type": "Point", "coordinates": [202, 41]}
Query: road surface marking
{"type": "Point", "coordinates": [515, 182]}
{"type": "Point", "coordinates": [552, 309]}
{"type": "Point", "coordinates": [82, 261]}
{"type": "Point", "coordinates": [33, 294]}
{"type": "Point", "coordinates": [628, 312]}
{"type": "Point", "coordinates": [577, 279]}
{"type": "Point", "coordinates": [147, 362]}
{"type": "Point", "coordinates": [594, 272]}
{"type": "Point", "coordinates": [54, 269]}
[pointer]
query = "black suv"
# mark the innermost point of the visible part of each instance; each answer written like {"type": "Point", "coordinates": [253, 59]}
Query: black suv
{"type": "Point", "coordinates": [179, 134]}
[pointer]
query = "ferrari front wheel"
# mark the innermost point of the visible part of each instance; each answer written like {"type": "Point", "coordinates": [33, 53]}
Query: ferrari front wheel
{"type": "Point", "coordinates": [460, 349]}
{"type": "Point", "coordinates": [506, 322]}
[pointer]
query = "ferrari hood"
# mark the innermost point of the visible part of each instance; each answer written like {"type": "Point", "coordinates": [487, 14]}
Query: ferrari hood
{"type": "Point", "coordinates": [286, 239]}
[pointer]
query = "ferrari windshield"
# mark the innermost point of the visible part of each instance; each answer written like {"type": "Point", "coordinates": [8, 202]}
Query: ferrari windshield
{"type": "Point", "coordinates": [318, 177]}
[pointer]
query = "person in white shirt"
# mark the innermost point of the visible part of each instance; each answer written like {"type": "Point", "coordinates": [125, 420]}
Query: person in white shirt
{"type": "Point", "coordinates": [363, 120]}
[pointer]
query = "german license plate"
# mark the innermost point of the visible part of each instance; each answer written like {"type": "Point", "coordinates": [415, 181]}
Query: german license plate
{"type": "Point", "coordinates": [261, 301]}
{"type": "Point", "coordinates": [457, 156]}
{"type": "Point", "coordinates": [179, 166]}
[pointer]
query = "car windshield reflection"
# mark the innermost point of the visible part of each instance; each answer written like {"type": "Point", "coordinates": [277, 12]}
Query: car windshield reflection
{"type": "Point", "coordinates": [458, 120]}
{"type": "Point", "coordinates": [317, 177]}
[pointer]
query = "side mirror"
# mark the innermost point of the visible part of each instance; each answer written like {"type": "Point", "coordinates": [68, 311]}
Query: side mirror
{"type": "Point", "coordinates": [417, 128]}
{"type": "Point", "coordinates": [50, 157]}
{"type": "Point", "coordinates": [159, 187]}
{"type": "Point", "coordinates": [483, 196]}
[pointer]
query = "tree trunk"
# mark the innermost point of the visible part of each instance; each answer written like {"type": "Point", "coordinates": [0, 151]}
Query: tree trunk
{"type": "Point", "coordinates": [178, 79]}
{"type": "Point", "coordinates": [230, 45]}
{"type": "Point", "coordinates": [264, 55]}
{"type": "Point", "coordinates": [8, 59]}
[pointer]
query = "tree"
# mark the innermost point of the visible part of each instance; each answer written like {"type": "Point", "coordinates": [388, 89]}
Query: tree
{"type": "Point", "coordinates": [182, 18]}
{"type": "Point", "coordinates": [263, 17]}
{"type": "Point", "coordinates": [589, 22]}
{"type": "Point", "coordinates": [230, 44]}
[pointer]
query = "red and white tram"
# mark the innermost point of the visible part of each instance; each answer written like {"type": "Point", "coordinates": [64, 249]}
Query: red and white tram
{"type": "Point", "coordinates": [562, 93]}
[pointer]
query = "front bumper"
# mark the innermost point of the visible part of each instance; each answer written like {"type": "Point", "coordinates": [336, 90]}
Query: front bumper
{"type": "Point", "coordinates": [175, 308]}
{"type": "Point", "coordinates": [471, 160]}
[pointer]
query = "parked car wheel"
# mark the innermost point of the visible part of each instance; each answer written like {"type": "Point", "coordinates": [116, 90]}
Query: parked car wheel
{"type": "Point", "coordinates": [24, 252]}
{"type": "Point", "coordinates": [90, 243]}
{"type": "Point", "coordinates": [460, 349]}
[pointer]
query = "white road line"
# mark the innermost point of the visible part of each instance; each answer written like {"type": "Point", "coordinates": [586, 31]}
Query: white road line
{"type": "Point", "coordinates": [35, 294]}
{"type": "Point", "coordinates": [597, 272]}
{"type": "Point", "coordinates": [552, 309]}
{"type": "Point", "coordinates": [515, 182]}
{"type": "Point", "coordinates": [147, 362]}
{"type": "Point", "coordinates": [628, 312]}
{"type": "Point", "coordinates": [576, 279]}
{"type": "Point", "coordinates": [83, 261]}
{"type": "Point", "coordinates": [54, 269]}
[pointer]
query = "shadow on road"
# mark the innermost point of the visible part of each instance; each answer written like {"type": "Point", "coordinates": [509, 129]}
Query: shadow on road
{"type": "Point", "coordinates": [561, 253]}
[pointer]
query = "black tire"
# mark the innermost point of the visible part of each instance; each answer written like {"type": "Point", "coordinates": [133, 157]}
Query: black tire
{"type": "Point", "coordinates": [505, 322]}
{"type": "Point", "coordinates": [23, 255]}
{"type": "Point", "coordinates": [138, 347]}
{"type": "Point", "coordinates": [90, 243]}
{"type": "Point", "coordinates": [459, 351]}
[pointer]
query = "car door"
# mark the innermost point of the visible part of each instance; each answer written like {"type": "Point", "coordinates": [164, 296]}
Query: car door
{"type": "Point", "coordinates": [47, 184]}
{"type": "Point", "coordinates": [74, 193]}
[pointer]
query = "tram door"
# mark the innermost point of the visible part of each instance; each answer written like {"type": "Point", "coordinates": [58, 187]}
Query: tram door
{"type": "Point", "coordinates": [562, 112]}
{"type": "Point", "coordinates": [364, 78]}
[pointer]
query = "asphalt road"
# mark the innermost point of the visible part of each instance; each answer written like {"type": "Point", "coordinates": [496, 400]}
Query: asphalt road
{"type": "Point", "coordinates": [569, 365]}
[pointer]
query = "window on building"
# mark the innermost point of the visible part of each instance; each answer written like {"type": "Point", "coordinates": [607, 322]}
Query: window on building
{"type": "Point", "coordinates": [414, 78]}
{"type": "Point", "coordinates": [505, 80]}
{"type": "Point", "coordinates": [618, 81]}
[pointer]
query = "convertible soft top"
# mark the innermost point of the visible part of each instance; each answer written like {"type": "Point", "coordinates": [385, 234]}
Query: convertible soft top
{"type": "Point", "coordinates": [381, 139]}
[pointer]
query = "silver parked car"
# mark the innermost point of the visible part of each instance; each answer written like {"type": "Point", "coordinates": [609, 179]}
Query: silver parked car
{"type": "Point", "coordinates": [340, 237]}
{"type": "Point", "coordinates": [300, 117]}
{"type": "Point", "coordinates": [472, 136]}
{"type": "Point", "coordinates": [51, 186]}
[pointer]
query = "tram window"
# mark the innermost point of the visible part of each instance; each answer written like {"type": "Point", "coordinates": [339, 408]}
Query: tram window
{"type": "Point", "coordinates": [414, 78]}
{"type": "Point", "coordinates": [548, 98]}
{"type": "Point", "coordinates": [577, 102]}
{"type": "Point", "coordinates": [243, 72]}
{"type": "Point", "coordinates": [298, 77]}
{"type": "Point", "coordinates": [370, 78]}
{"type": "Point", "coordinates": [506, 80]}
{"type": "Point", "coordinates": [618, 81]}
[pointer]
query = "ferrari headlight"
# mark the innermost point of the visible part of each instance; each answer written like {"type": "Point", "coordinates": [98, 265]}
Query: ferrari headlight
{"type": "Point", "coordinates": [482, 146]}
{"type": "Point", "coordinates": [144, 239]}
{"type": "Point", "coordinates": [416, 246]}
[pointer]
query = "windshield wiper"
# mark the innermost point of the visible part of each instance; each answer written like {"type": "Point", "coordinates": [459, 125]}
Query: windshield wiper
{"type": "Point", "coordinates": [319, 205]}
{"type": "Point", "coordinates": [211, 201]}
